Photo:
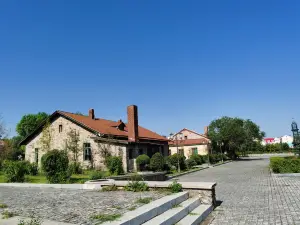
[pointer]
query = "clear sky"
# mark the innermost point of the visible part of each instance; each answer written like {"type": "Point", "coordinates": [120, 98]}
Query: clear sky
{"type": "Point", "coordinates": [184, 63]}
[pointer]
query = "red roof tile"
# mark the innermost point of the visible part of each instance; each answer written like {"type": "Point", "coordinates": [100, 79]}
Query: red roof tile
{"type": "Point", "coordinates": [110, 127]}
{"type": "Point", "coordinates": [198, 141]}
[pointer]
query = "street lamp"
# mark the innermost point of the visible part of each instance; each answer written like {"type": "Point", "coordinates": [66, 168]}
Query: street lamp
{"type": "Point", "coordinates": [296, 137]}
{"type": "Point", "coordinates": [176, 139]}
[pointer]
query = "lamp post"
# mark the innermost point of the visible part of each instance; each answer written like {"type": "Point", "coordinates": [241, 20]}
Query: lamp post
{"type": "Point", "coordinates": [176, 139]}
{"type": "Point", "coordinates": [296, 137]}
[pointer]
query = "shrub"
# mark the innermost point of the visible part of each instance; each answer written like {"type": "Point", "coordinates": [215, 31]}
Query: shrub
{"type": "Point", "coordinates": [114, 165]}
{"type": "Point", "coordinates": [175, 187]}
{"type": "Point", "coordinates": [136, 186]}
{"type": "Point", "coordinates": [32, 221]}
{"type": "Point", "coordinates": [15, 171]}
{"type": "Point", "coordinates": [144, 200]}
{"type": "Point", "coordinates": [31, 168]}
{"type": "Point", "coordinates": [109, 188]}
{"type": "Point", "coordinates": [285, 165]}
{"type": "Point", "coordinates": [55, 165]}
{"type": "Point", "coordinates": [75, 168]}
{"type": "Point", "coordinates": [96, 175]}
{"type": "Point", "coordinates": [190, 163]}
{"type": "Point", "coordinates": [157, 162]}
{"type": "Point", "coordinates": [173, 159]}
{"type": "Point", "coordinates": [215, 158]}
{"type": "Point", "coordinates": [142, 161]}
{"type": "Point", "coordinates": [197, 158]}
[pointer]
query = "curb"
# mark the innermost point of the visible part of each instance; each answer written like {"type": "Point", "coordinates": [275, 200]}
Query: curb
{"type": "Point", "coordinates": [188, 172]}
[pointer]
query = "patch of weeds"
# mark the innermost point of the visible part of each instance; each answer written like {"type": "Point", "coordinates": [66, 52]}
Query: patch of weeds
{"type": "Point", "coordinates": [175, 187]}
{"type": "Point", "coordinates": [136, 186]}
{"type": "Point", "coordinates": [144, 200]}
{"type": "Point", "coordinates": [32, 221]}
{"type": "Point", "coordinates": [193, 214]}
{"type": "Point", "coordinates": [176, 206]}
{"type": "Point", "coordinates": [105, 217]}
{"type": "Point", "coordinates": [117, 207]}
{"type": "Point", "coordinates": [132, 208]}
{"type": "Point", "coordinates": [109, 188]}
{"type": "Point", "coordinates": [3, 206]}
{"type": "Point", "coordinates": [7, 214]}
{"type": "Point", "coordinates": [165, 191]}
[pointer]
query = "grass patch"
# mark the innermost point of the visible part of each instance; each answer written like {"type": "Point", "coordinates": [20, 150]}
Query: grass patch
{"type": "Point", "coordinates": [117, 207]}
{"type": "Point", "coordinates": [144, 200]}
{"type": "Point", "coordinates": [109, 188]}
{"type": "Point", "coordinates": [7, 214]}
{"type": "Point", "coordinates": [176, 206]}
{"type": "Point", "coordinates": [132, 208]}
{"type": "Point", "coordinates": [105, 217]}
{"type": "Point", "coordinates": [3, 206]}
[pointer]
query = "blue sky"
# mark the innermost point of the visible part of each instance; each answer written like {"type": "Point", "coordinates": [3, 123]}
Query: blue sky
{"type": "Point", "coordinates": [184, 63]}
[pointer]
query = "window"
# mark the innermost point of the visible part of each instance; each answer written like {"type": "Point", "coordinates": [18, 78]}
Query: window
{"type": "Point", "coordinates": [36, 155]}
{"type": "Point", "coordinates": [185, 137]}
{"type": "Point", "coordinates": [195, 151]}
{"type": "Point", "coordinates": [60, 128]}
{"type": "Point", "coordinates": [181, 151]}
{"type": "Point", "coordinates": [87, 152]}
{"type": "Point", "coordinates": [140, 151]}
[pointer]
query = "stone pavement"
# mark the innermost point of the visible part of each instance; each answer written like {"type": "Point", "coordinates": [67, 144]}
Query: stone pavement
{"type": "Point", "coordinates": [250, 194]}
{"type": "Point", "coordinates": [68, 205]}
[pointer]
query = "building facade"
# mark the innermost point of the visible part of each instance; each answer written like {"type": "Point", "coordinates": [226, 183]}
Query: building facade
{"type": "Point", "coordinates": [189, 142]}
{"type": "Point", "coordinates": [95, 137]}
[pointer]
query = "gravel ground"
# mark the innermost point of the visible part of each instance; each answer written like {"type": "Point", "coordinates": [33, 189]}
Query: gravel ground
{"type": "Point", "coordinates": [67, 205]}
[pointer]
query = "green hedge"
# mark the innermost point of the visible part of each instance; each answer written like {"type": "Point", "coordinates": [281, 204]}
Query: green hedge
{"type": "Point", "coordinates": [285, 164]}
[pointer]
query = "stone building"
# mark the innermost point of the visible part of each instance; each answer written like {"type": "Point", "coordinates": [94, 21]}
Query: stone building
{"type": "Point", "coordinates": [189, 142]}
{"type": "Point", "coordinates": [95, 137]}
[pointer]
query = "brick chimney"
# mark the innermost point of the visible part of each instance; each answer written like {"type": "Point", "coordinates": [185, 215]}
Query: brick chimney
{"type": "Point", "coordinates": [92, 114]}
{"type": "Point", "coordinates": [133, 131]}
{"type": "Point", "coordinates": [206, 130]}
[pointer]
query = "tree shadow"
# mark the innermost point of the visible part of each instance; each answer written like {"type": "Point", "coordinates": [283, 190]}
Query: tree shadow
{"type": "Point", "coordinates": [250, 159]}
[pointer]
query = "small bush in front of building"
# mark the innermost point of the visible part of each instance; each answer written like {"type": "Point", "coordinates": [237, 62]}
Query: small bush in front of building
{"type": "Point", "coordinates": [142, 161]}
{"type": "Point", "coordinates": [114, 165]}
{"type": "Point", "coordinates": [157, 162]}
{"type": "Point", "coordinates": [31, 168]}
{"type": "Point", "coordinates": [15, 171]}
{"type": "Point", "coordinates": [190, 163]}
{"type": "Point", "coordinates": [55, 165]}
{"type": "Point", "coordinates": [173, 159]}
{"type": "Point", "coordinates": [285, 164]}
{"type": "Point", "coordinates": [96, 175]}
{"type": "Point", "coordinates": [197, 158]}
{"type": "Point", "coordinates": [75, 168]}
{"type": "Point", "coordinates": [175, 187]}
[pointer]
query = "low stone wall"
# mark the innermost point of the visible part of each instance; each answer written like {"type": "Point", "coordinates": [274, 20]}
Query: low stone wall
{"type": "Point", "coordinates": [158, 176]}
{"type": "Point", "coordinates": [204, 190]}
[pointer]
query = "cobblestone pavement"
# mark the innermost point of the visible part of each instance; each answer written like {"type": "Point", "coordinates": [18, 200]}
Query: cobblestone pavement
{"type": "Point", "coordinates": [67, 205]}
{"type": "Point", "coordinates": [251, 195]}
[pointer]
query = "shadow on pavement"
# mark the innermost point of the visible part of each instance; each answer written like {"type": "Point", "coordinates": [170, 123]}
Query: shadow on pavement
{"type": "Point", "coordinates": [250, 159]}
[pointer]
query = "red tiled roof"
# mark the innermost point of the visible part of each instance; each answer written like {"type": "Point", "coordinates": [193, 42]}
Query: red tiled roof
{"type": "Point", "coordinates": [110, 127]}
{"type": "Point", "coordinates": [198, 141]}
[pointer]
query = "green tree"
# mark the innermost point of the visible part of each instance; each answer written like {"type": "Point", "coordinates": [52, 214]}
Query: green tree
{"type": "Point", "coordinates": [30, 122]}
{"type": "Point", "coordinates": [234, 134]}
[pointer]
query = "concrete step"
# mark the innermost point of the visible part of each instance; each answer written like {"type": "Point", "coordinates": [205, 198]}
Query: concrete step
{"type": "Point", "coordinates": [151, 210]}
{"type": "Point", "coordinates": [175, 214]}
{"type": "Point", "coordinates": [197, 215]}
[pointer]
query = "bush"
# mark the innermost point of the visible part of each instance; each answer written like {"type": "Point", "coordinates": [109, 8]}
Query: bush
{"type": "Point", "coordinates": [142, 161]}
{"type": "Point", "coordinates": [114, 165]}
{"type": "Point", "coordinates": [215, 158]}
{"type": "Point", "coordinates": [75, 168]}
{"type": "Point", "coordinates": [136, 186]}
{"type": "Point", "coordinates": [55, 164]}
{"type": "Point", "coordinates": [173, 159]}
{"type": "Point", "coordinates": [31, 168]}
{"type": "Point", "coordinates": [109, 188]}
{"type": "Point", "coordinates": [285, 165]}
{"type": "Point", "coordinates": [15, 171]}
{"type": "Point", "coordinates": [190, 163]}
{"type": "Point", "coordinates": [157, 162]}
{"type": "Point", "coordinates": [175, 187]}
{"type": "Point", "coordinates": [96, 175]}
{"type": "Point", "coordinates": [197, 158]}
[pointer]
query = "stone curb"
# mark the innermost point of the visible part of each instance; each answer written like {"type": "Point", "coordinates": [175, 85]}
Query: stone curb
{"type": "Point", "coordinates": [188, 172]}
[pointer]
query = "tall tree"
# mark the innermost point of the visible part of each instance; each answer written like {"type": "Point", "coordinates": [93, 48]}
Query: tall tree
{"type": "Point", "coordinates": [3, 130]}
{"type": "Point", "coordinates": [234, 134]}
{"type": "Point", "coordinates": [30, 122]}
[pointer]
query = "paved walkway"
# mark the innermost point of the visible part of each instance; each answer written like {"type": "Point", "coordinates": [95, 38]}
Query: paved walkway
{"type": "Point", "coordinates": [251, 195]}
